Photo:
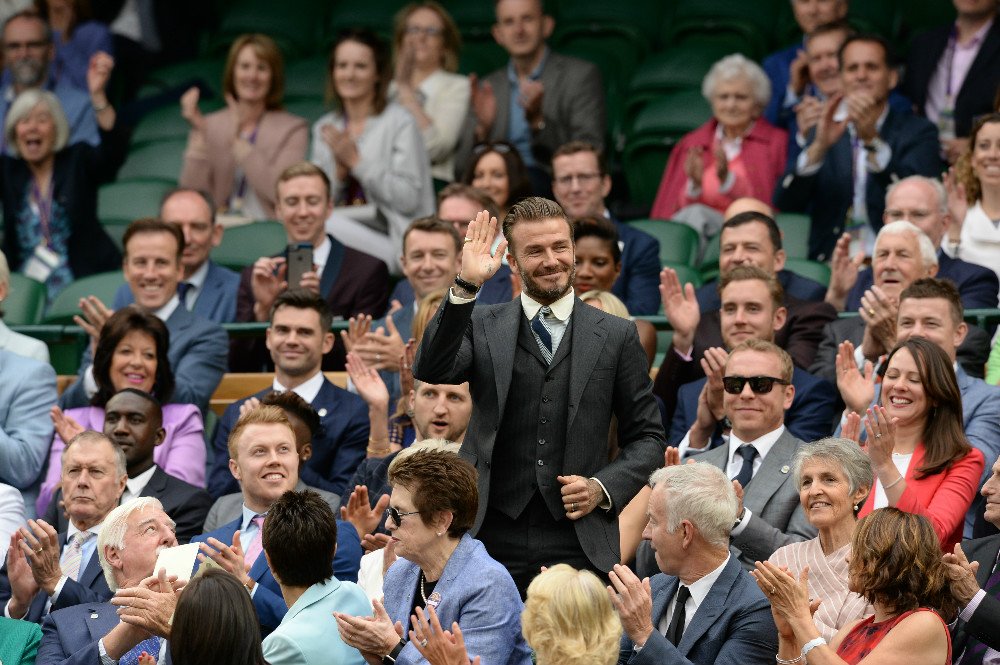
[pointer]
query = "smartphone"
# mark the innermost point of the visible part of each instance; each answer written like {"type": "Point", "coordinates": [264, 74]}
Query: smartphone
{"type": "Point", "coordinates": [300, 261]}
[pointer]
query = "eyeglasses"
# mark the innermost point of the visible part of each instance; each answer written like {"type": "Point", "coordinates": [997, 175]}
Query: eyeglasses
{"type": "Point", "coordinates": [760, 385]}
{"type": "Point", "coordinates": [583, 178]}
{"type": "Point", "coordinates": [501, 148]}
{"type": "Point", "coordinates": [420, 30]}
{"type": "Point", "coordinates": [396, 516]}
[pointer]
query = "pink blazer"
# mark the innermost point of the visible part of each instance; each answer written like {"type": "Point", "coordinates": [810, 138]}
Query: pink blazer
{"type": "Point", "coordinates": [762, 161]}
{"type": "Point", "coordinates": [943, 498]}
{"type": "Point", "coordinates": [282, 140]}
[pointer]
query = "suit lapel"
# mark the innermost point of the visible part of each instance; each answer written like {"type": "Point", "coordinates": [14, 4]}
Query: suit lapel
{"type": "Point", "coordinates": [500, 330]}
{"type": "Point", "coordinates": [157, 484]}
{"type": "Point", "coordinates": [331, 270]}
{"type": "Point", "coordinates": [101, 618]}
{"type": "Point", "coordinates": [663, 599]}
{"type": "Point", "coordinates": [589, 333]}
{"type": "Point", "coordinates": [987, 557]}
{"type": "Point", "coordinates": [773, 472]}
{"type": "Point", "coordinates": [208, 297]}
{"type": "Point", "coordinates": [711, 607]}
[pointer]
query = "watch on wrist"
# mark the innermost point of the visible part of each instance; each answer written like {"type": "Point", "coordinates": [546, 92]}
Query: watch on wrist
{"type": "Point", "coordinates": [466, 285]}
{"type": "Point", "coordinates": [739, 518]}
{"type": "Point", "coordinates": [390, 658]}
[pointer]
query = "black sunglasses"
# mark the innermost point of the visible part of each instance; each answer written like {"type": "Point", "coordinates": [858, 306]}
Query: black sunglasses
{"type": "Point", "coordinates": [760, 385]}
{"type": "Point", "coordinates": [396, 516]}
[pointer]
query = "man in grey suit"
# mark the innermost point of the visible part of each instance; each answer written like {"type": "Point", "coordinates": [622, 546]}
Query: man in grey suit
{"type": "Point", "coordinates": [541, 99]}
{"type": "Point", "coordinates": [547, 373]}
{"type": "Point", "coordinates": [207, 289]}
{"type": "Point", "coordinates": [702, 608]}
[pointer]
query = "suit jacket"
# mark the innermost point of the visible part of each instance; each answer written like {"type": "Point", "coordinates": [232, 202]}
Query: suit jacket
{"type": "Point", "coordinates": [18, 641]}
{"type": "Point", "coordinates": [972, 353]}
{"type": "Point", "coordinates": [809, 418]}
{"type": "Point", "coordinates": [22, 345]}
{"type": "Point", "coordinates": [977, 285]}
{"type": "Point", "coordinates": [70, 636]}
{"type": "Point", "coordinates": [828, 194]}
{"type": "Point", "coordinates": [732, 626]}
{"type": "Point", "coordinates": [308, 633]}
{"type": "Point", "coordinates": [474, 590]}
{"type": "Point", "coordinates": [776, 67]}
{"type": "Point", "coordinates": [338, 448]}
{"type": "Point", "coordinates": [352, 283]}
{"type": "Point", "coordinates": [267, 597]}
{"type": "Point", "coordinates": [184, 503]}
{"type": "Point", "coordinates": [572, 107]}
{"type": "Point", "coordinates": [607, 377]}
{"type": "Point", "coordinates": [27, 392]}
{"type": "Point", "coordinates": [230, 507]}
{"type": "Point", "coordinates": [638, 285]}
{"type": "Point", "coordinates": [773, 500]}
{"type": "Point", "coordinates": [91, 587]}
{"type": "Point", "coordinates": [975, 97]}
{"type": "Point", "coordinates": [281, 139]}
{"type": "Point", "coordinates": [795, 286]}
{"type": "Point", "coordinates": [985, 622]}
{"type": "Point", "coordinates": [216, 301]}
{"type": "Point", "coordinates": [197, 356]}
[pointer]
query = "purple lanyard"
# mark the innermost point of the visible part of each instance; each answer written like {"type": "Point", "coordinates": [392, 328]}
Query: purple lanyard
{"type": "Point", "coordinates": [44, 205]}
{"type": "Point", "coordinates": [241, 185]}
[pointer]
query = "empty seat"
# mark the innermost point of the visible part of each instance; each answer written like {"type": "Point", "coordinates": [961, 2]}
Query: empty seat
{"type": "Point", "coordinates": [124, 201]}
{"type": "Point", "coordinates": [242, 245]}
{"type": "Point", "coordinates": [25, 301]}
{"type": "Point", "coordinates": [66, 304]}
{"type": "Point", "coordinates": [160, 160]}
{"type": "Point", "coordinates": [678, 241]}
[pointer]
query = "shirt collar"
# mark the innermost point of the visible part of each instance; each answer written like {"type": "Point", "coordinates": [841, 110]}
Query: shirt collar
{"type": "Point", "coordinates": [164, 312]}
{"type": "Point", "coordinates": [762, 444]}
{"type": "Point", "coordinates": [136, 485]}
{"type": "Point", "coordinates": [307, 390]}
{"type": "Point", "coordinates": [197, 280]}
{"type": "Point", "coordinates": [535, 74]}
{"type": "Point", "coordinates": [977, 38]}
{"type": "Point", "coordinates": [247, 516]}
{"type": "Point", "coordinates": [699, 589]}
{"type": "Point", "coordinates": [321, 253]}
{"type": "Point", "coordinates": [561, 309]}
{"type": "Point", "coordinates": [71, 530]}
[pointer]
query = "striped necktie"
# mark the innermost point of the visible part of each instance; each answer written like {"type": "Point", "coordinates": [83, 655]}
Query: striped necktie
{"type": "Point", "coordinates": [540, 326]}
{"type": "Point", "coordinates": [256, 545]}
{"type": "Point", "coordinates": [74, 554]}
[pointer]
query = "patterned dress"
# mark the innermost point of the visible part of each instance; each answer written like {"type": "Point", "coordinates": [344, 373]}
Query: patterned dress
{"type": "Point", "coordinates": [866, 636]}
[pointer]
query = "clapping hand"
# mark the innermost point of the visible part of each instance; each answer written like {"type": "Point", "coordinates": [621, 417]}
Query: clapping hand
{"type": "Point", "coordinates": [66, 426]}
{"type": "Point", "coordinates": [856, 389]}
{"type": "Point", "coordinates": [438, 646]}
{"type": "Point", "coordinates": [190, 110]}
{"type": "Point", "coordinates": [681, 308]}
{"type": "Point", "coordinates": [478, 262]}
{"type": "Point", "coordinates": [359, 512]}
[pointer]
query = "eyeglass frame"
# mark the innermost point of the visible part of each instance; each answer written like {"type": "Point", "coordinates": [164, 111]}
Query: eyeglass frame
{"type": "Point", "coordinates": [583, 178]}
{"type": "Point", "coordinates": [392, 513]}
{"type": "Point", "coordinates": [744, 380]}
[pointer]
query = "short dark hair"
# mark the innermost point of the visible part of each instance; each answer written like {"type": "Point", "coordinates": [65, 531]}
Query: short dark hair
{"type": "Point", "coordinates": [304, 299]}
{"type": "Point", "coordinates": [600, 228]}
{"type": "Point", "coordinates": [32, 15]}
{"type": "Point", "coordinates": [840, 25]}
{"type": "Point", "coordinates": [532, 209]}
{"type": "Point", "coordinates": [518, 179]}
{"type": "Point", "coordinates": [574, 147]}
{"type": "Point", "coordinates": [153, 225]}
{"type": "Point", "coordinates": [292, 404]}
{"type": "Point", "coordinates": [132, 319]}
{"type": "Point", "coordinates": [205, 196]}
{"type": "Point", "coordinates": [300, 538]}
{"type": "Point", "coordinates": [432, 224]}
{"type": "Point", "coordinates": [146, 396]}
{"type": "Point", "coordinates": [751, 216]}
{"type": "Point", "coordinates": [871, 38]}
{"type": "Point", "coordinates": [744, 273]}
{"type": "Point", "coordinates": [929, 287]}
{"type": "Point", "coordinates": [464, 191]}
{"type": "Point", "coordinates": [439, 481]}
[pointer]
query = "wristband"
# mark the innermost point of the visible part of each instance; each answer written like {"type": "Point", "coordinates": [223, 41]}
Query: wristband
{"type": "Point", "coordinates": [466, 285]}
{"type": "Point", "coordinates": [812, 644]}
{"type": "Point", "coordinates": [739, 518]}
{"type": "Point", "coordinates": [390, 658]}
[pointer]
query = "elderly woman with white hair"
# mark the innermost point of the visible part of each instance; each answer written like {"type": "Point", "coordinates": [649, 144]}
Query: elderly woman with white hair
{"type": "Point", "coordinates": [834, 477]}
{"type": "Point", "coordinates": [735, 154]}
{"type": "Point", "coordinates": [49, 188]}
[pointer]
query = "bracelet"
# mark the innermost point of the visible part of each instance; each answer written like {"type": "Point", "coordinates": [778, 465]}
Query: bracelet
{"type": "Point", "coordinates": [893, 483]}
{"type": "Point", "coordinates": [812, 644]}
{"type": "Point", "coordinates": [783, 661]}
{"type": "Point", "coordinates": [378, 452]}
{"type": "Point", "coordinates": [390, 658]}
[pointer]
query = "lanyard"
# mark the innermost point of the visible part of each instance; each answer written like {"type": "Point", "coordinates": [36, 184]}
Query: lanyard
{"type": "Point", "coordinates": [43, 205]}
{"type": "Point", "coordinates": [241, 183]}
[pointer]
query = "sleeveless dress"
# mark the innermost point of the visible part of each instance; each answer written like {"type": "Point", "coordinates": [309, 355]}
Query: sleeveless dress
{"type": "Point", "coordinates": [866, 636]}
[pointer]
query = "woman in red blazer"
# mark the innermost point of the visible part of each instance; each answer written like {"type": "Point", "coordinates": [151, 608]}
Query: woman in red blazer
{"type": "Point", "coordinates": [922, 460]}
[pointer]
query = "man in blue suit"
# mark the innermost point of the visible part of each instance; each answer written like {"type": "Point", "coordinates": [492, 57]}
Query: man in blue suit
{"type": "Point", "coordinates": [702, 608]}
{"type": "Point", "coordinates": [27, 392]}
{"type": "Point", "coordinates": [198, 347]}
{"type": "Point", "coordinates": [580, 184]}
{"type": "Point", "coordinates": [298, 337]}
{"type": "Point", "coordinates": [207, 289]}
{"type": "Point", "coordinates": [262, 455]}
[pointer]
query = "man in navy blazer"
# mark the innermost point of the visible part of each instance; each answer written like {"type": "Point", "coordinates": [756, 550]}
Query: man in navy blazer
{"type": "Point", "coordinates": [702, 608]}
{"type": "Point", "coordinates": [298, 337]}
{"type": "Point", "coordinates": [825, 180]}
{"type": "Point", "coordinates": [209, 289]}
{"type": "Point", "coordinates": [198, 347]}
{"type": "Point", "coordinates": [580, 184]}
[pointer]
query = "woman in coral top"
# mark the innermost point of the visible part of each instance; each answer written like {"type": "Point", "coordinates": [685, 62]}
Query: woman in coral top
{"type": "Point", "coordinates": [735, 154]}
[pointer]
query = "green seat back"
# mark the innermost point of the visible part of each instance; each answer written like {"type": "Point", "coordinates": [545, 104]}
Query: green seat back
{"type": "Point", "coordinates": [242, 245]}
{"type": "Point", "coordinates": [795, 229]}
{"type": "Point", "coordinates": [161, 160]}
{"type": "Point", "coordinates": [644, 160]}
{"type": "Point", "coordinates": [307, 77]}
{"type": "Point", "coordinates": [66, 305]}
{"type": "Point", "coordinates": [811, 269]}
{"type": "Point", "coordinates": [124, 201]}
{"type": "Point", "coordinates": [686, 274]}
{"type": "Point", "coordinates": [678, 242]}
{"type": "Point", "coordinates": [25, 301]}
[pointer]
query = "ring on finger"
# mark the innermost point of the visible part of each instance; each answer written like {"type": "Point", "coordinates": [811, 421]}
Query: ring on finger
{"type": "Point", "coordinates": [423, 643]}
{"type": "Point", "coordinates": [878, 435]}
{"type": "Point", "coordinates": [774, 589]}
{"type": "Point", "coordinates": [871, 311]}
{"type": "Point", "coordinates": [572, 507]}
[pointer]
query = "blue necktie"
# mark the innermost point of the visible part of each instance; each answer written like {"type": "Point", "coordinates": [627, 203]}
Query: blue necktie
{"type": "Point", "coordinates": [542, 333]}
{"type": "Point", "coordinates": [182, 291]}
{"type": "Point", "coordinates": [748, 453]}
{"type": "Point", "coordinates": [150, 646]}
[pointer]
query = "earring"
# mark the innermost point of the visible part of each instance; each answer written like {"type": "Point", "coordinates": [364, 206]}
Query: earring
{"type": "Point", "coordinates": [439, 534]}
{"type": "Point", "coordinates": [855, 507]}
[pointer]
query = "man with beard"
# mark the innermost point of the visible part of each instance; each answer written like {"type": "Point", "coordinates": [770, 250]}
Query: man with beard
{"type": "Point", "coordinates": [546, 375]}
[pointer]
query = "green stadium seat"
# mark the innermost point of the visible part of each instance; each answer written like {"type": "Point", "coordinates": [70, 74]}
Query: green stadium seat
{"type": "Point", "coordinates": [160, 160]}
{"type": "Point", "coordinates": [242, 245]}
{"type": "Point", "coordinates": [307, 77]}
{"type": "Point", "coordinates": [680, 68]}
{"type": "Point", "coordinates": [124, 201]}
{"type": "Point", "coordinates": [795, 228]}
{"type": "Point", "coordinates": [310, 108]}
{"type": "Point", "coordinates": [645, 159]}
{"type": "Point", "coordinates": [376, 15]}
{"type": "Point", "coordinates": [295, 29]}
{"type": "Point", "coordinates": [881, 17]}
{"type": "Point", "coordinates": [206, 70]}
{"type": "Point", "coordinates": [481, 56]}
{"type": "Point", "coordinates": [643, 16]}
{"type": "Point", "coordinates": [686, 273]}
{"type": "Point", "coordinates": [474, 19]}
{"type": "Point", "coordinates": [811, 269]}
{"type": "Point", "coordinates": [25, 301]}
{"type": "Point", "coordinates": [66, 305]}
{"type": "Point", "coordinates": [670, 116]}
{"type": "Point", "coordinates": [747, 21]}
{"type": "Point", "coordinates": [709, 263]}
{"type": "Point", "coordinates": [920, 17]}
{"type": "Point", "coordinates": [678, 241]}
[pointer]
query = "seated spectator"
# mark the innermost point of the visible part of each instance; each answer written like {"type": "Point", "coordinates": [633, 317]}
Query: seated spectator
{"type": "Point", "coordinates": [51, 230]}
{"type": "Point", "coordinates": [896, 565]}
{"type": "Point", "coordinates": [132, 354]}
{"type": "Point", "coordinates": [93, 631]}
{"type": "Point", "coordinates": [15, 342]}
{"type": "Point", "coordinates": [306, 426]}
{"type": "Point", "coordinates": [238, 152]}
{"type": "Point", "coordinates": [497, 169]}
{"type": "Point", "coordinates": [209, 290]}
{"type": "Point", "coordinates": [197, 347]}
{"type": "Point", "coordinates": [425, 52]}
{"type": "Point", "coordinates": [953, 71]}
{"type": "Point", "coordinates": [974, 197]}
{"type": "Point", "coordinates": [787, 68]}
{"type": "Point", "coordinates": [263, 458]}
{"type": "Point", "coordinates": [699, 608]}
{"type": "Point", "coordinates": [133, 421]}
{"type": "Point", "coordinates": [76, 36]}
{"type": "Point", "coordinates": [751, 309]}
{"type": "Point", "coordinates": [859, 146]}
{"type": "Point", "coordinates": [540, 99]}
{"type": "Point", "coordinates": [903, 254]}
{"type": "Point", "coordinates": [298, 536]}
{"type": "Point", "coordinates": [922, 459]}
{"type": "Point", "coordinates": [29, 52]}
{"type": "Point", "coordinates": [20, 642]}
{"type": "Point", "coordinates": [581, 182]}
{"type": "Point", "coordinates": [28, 391]}
{"type": "Point", "coordinates": [11, 515]}
{"type": "Point", "coordinates": [372, 152]}
{"type": "Point", "coordinates": [297, 338]}
{"type": "Point", "coordinates": [46, 572]}
{"type": "Point", "coordinates": [834, 477]}
{"type": "Point", "coordinates": [350, 281]}
{"type": "Point", "coordinates": [735, 154]}
{"type": "Point", "coordinates": [924, 202]}
{"type": "Point", "coordinates": [609, 302]}
{"type": "Point", "coordinates": [435, 493]}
